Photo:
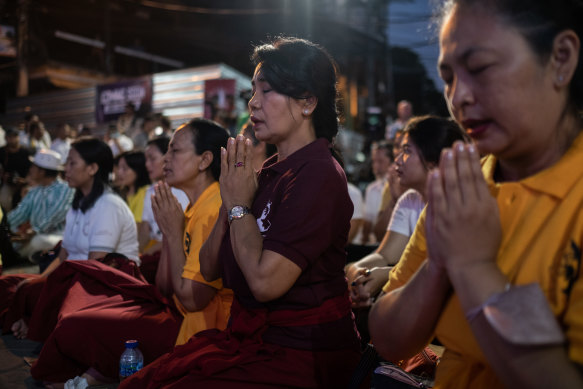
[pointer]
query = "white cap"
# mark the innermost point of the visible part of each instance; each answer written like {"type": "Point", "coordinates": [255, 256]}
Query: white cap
{"type": "Point", "coordinates": [47, 159]}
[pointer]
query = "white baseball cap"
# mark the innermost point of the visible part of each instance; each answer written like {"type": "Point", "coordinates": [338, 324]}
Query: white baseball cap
{"type": "Point", "coordinates": [47, 159]}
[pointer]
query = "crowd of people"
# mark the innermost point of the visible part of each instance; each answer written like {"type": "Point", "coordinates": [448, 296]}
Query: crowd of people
{"type": "Point", "coordinates": [226, 258]}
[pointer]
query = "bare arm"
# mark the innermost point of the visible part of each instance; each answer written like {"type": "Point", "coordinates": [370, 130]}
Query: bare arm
{"type": "Point", "coordinates": [268, 274]}
{"type": "Point", "coordinates": [411, 325]}
{"type": "Point", "coordinates": [193, 295]}
{"type": "Point", "coordinates": [466, 235]}
{"type": "Point", "coordinates": [209, 253]}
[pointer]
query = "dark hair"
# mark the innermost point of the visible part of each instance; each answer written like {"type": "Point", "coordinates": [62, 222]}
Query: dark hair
{"type": "Point", "coordinates": [136, 160]}
{"type": "Point", "coordinates": [209, 136]}
{"type": "Point", "coordinates": [431, 134]}
{"type": "Point", "coordinates": [387, 147]}
{"type": "Point", "coordinates": [93, 150]}
{"type": "Point", "coordinates": [161, 143]}
{"type": "Point", "coordinates": [539, 21]}
{"type": "Point", "coordinates": [299, 68]}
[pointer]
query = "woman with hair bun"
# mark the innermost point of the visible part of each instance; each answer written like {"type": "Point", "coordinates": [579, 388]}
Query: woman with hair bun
{"type": "Point", "coordinates": [278, 243]}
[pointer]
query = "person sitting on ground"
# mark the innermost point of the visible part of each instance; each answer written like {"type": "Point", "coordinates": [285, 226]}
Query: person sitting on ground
{"type": "Point", "coordinates": [278, 243]}
{"type": "Point", "coordinates": [118, 141]}
{"type": "Point", "coordinates": [15, 165]}
{"type": "Point", "coordinates": [62, 142]}
{"type": "Point", "coordinates": [424, 138]}
{"type": "Point", "coordinates": [38, 221]}
{"type": "Point", "coordinates": [134, 181]}
{"type": "Point", "coordinates": [99, 221]}
{"type": "Point", "coordinates": [381, 158]}
{"type": "Point", "coordinates": [104, 320]}
{"type": "Point", "coordinates": [149, 234]}
{"type": "Point", "coordinates": [493, 269]}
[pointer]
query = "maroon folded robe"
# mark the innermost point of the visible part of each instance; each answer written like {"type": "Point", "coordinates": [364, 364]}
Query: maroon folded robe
{"type": "Point", "coordinates": [17, 304]}
{"type": "Point", "coordinates": [238, 358]}
{"type": "Point", "coordinates": [85, 314]}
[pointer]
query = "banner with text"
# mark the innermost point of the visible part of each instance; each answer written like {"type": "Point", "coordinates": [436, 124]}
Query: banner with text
{"type": "Point", "coordinates": [111, 99]}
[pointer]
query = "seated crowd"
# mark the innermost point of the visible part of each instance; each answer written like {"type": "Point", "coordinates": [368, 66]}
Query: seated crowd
{"type": "Point", "coordinates": [227, 261]}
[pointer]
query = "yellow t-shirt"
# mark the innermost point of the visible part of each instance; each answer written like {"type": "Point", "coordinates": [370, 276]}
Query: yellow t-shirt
{"type": "Point", "coordinates": [136, 203]}
{"type": "Point", "coordinates": [200, 220]}
{"type": "Point", "coordinates": [542, 228]}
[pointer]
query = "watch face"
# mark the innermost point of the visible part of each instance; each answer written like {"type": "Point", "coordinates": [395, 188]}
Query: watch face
{"type": "Point", "coordinates": [237, 212]}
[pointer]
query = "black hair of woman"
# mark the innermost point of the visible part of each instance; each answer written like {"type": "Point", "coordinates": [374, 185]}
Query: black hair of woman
{"type": "Point", "coordinates": [301, 69]}
{"type": "Point", "coordinates": [93, 150]}
{"type": "Point", "coordinates": [136, 160]}
{"type": "Point", "coordinates": [209, 136]}
{"type": "Point", "coordinates": [161, 143]}
{"type": "Point", "coordinates": [432, 134]}
{"type": "Point", "coordinates": [539, 22]}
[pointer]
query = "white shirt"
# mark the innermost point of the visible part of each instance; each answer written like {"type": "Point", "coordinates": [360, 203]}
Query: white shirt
{"type": "Point", "coordinates": [373, 196]}
{"type": "Point", "coordinates": [108, 226]}
{"type": "Point", "coordinates": [406, 213]}
{"type": "Point", "coordinates": [148, 213]}
{"type": "Point", "coordinates": [356, 198]}
{"type": "Point", "coordinates": [125, 144]}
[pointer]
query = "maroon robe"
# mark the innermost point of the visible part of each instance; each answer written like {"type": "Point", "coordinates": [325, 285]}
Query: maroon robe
{"type": "Point", "coordinates": [85, 314]}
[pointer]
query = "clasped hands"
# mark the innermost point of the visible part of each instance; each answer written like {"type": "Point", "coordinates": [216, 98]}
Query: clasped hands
{"type": "Point", "coordinates": [463, 222]}
{"type": "Point", "coordinates": [238, 179]}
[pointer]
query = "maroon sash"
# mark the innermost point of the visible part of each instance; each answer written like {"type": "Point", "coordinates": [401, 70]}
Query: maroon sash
{"type": "Point", "coordinates": [212, 353]}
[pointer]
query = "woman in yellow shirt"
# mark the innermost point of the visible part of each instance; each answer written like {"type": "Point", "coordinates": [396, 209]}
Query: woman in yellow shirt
{"type": "Point", "coordinates": [133, 177]}
{"type": "Point", "coordinates": [493, 268]}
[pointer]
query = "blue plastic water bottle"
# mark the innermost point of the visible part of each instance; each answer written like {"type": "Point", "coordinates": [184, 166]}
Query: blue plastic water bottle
{"type": "Point", "coordinates": [131, 360]}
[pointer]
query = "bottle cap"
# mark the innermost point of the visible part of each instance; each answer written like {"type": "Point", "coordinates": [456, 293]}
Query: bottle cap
{"type": "Point", "coordinates": [131, 343]}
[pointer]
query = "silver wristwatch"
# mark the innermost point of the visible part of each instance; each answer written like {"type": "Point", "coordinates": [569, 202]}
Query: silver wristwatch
{"type": "Point", "coordinates": [237, 212]}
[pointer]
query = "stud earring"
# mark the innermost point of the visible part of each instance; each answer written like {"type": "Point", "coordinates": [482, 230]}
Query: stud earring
{"type": "Point", "coordinates": [306, 111]}
{"type": "Point", "coordinates": [560, 78]}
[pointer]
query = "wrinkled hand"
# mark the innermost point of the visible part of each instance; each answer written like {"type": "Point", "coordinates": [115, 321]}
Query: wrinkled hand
{"type": "Point", "coordinates": [238, 179]}
{"type": "Point", "coordinates": [463, 222]}
{"type": "Point", "coordinates": [167, 211]}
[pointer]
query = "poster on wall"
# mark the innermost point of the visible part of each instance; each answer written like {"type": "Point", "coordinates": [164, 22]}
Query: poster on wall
{"type": "Point", "coordinates": [111, 99]}
{"type": "Point", "coordinates": [7, 41]}
{"type": "Point", "coordinates": [219, 101]}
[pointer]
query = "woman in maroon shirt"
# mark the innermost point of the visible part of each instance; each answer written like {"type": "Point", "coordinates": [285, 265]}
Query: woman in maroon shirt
{"type": "Point", "coordinates": [278, 243]}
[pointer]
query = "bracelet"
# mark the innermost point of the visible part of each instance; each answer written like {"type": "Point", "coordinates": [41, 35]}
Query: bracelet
{"type": "Point", "coordinates": [474, 312]}
{"type": "Point", "coordinates": [521, 315]}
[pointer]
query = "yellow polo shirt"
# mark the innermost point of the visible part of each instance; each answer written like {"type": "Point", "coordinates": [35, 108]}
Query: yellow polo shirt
{"type": "Point", "coordinates": [136, 203]}
{"type": "Point", "coordinates": [200, 219]}
{"type": "Point", "coordinates": [542, 236]}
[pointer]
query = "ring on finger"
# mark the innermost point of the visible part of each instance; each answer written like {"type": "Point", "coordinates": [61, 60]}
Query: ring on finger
{"type": "Point", "coordinates": [239, 164]}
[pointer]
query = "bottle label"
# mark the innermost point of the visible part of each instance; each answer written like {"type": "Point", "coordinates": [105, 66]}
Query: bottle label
{"type": "Point", "coordinates": [127, 369]}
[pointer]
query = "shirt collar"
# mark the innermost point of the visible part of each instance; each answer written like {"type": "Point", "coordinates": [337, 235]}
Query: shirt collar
{"type": "Point", "coordinates": [556, 180]}
{"type": "Point", "coordinates": [318, 149]}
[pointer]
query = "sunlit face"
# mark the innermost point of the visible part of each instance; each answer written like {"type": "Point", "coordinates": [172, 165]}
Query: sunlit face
{"type": "Point", "coordinates": [125, 174]}
{"type": "Point", "coordinates": [409, 166]}
{"type": "Point", "coordinates": [380, 162]}
{"type": "Point", "coordinates": [78, 173]}
{"type": "Point", "coordinates": [275, 117]}
{"type": "Point", "coordinates": [154, 163]}
{"type": "Point", "coordinates": [181, 163]}
{"type": "Point", "coordinates": [495, 86]}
